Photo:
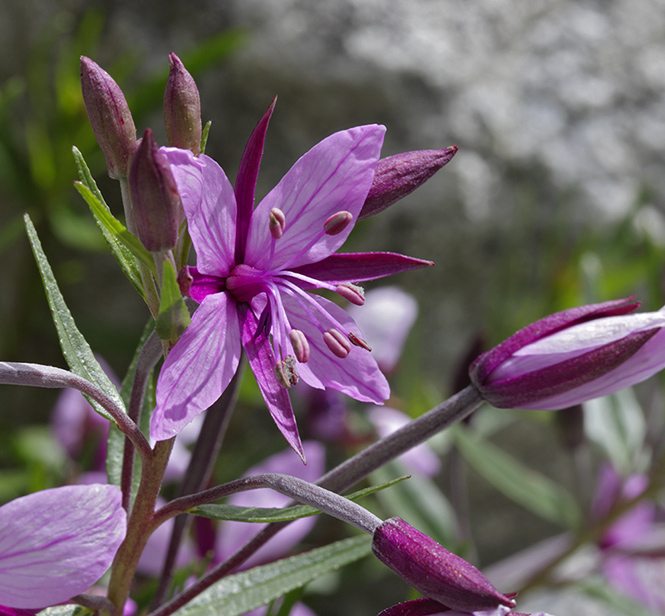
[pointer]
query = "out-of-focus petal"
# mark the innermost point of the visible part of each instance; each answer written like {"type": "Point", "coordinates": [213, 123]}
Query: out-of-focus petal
{"type": "Point", "coordinates": [335, 175]}
{"type": "Point", "coordinates": [199, 367]}
{"type": "Point", "coordinates": [209, 204]}
{"type": "Point", "coordinates": [386, 318]}
{"type": "Point", "coordinates": [56, 543]}
{"type": "Point", "coordinates": [357, 375]}
{"type": "Point", "coordinates": [262, 362]}
{"type": "Point", "coordinates": [234, 535]}
{"type": "Point", "coordinates": [420, 459]}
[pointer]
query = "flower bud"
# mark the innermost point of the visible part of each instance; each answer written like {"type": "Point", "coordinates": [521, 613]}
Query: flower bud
{"type": "Point", "coordinates": [397, 176]}
{"type": "Point", "coordinates": [155, 198]}
{"type": "Point", "coordinates": [109, 115]}
{"type": "Point", "coordinates": [182, 108]}
{"type": "Point", "coordinates": [433, 570]}
{"type": "Point", "coordinates": [572, 356]}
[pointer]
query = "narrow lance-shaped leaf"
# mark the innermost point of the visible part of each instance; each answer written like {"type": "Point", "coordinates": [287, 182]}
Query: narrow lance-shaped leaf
{"type": "Point", "coordinates": [238, 594]}
{"type": "Point", "coordinates": [274, 514]}
{"type": "Point", "coordinates": [74, 346]}
{"type": "Point", "coordinates": [525, 486]}
{"type": "Point", "coordinates": [108, 225]}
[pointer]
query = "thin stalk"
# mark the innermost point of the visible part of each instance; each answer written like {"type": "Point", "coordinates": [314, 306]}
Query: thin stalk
{"type": "Point", "coordinates": [343, 477]}
{"type": "Point", "coordinates": [37, 375]}
{"type": "Point", "coordinates": [199, 472]}
{"type": "Point", "coordinates": [146, 361]}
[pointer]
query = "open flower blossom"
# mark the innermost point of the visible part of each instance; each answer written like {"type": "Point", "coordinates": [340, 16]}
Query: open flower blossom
{"type": "Point", "coordinates": [56, 543]}
{"type": "Point", "coordinates": [573, 356]}
{"type": "Point", "coordinates": [254, 269]}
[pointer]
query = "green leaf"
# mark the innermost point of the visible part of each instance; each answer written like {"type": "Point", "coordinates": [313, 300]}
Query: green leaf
{"type": "Point", "coordinates": [274, 514]}
{"type": "Point", "coordinates": [238, 594]}
{"type": "Point", "coordinates": [616, 424]}
{"type": "Point", "coordinates": [173, 316]}
{"type": "Point", "coordinates": [525, 486]}
{"type": "Point", "coordinates": [115, 228]}
{"type": "Point", "coordinates": [74, 346]}
{"type": "Point", "coordinates": [204, 136]}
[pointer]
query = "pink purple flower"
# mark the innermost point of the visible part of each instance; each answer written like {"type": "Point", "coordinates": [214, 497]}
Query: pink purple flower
{"type": "Point", "coordinates": [255, 268]}
{"type": "Point", "coordinates": [573, 356]}
{"type": "Point", "coordinates": [56, 543]}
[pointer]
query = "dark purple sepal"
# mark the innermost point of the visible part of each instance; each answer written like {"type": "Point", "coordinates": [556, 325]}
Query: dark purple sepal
{"type": "Point", "coordinates": [197, 286]}
{"type": "Point", "coordinates": [182, 108]}
{"type": "Point", "coordinates": [248, 172]}
{"type": "Point", "coordinates": [397, 176]}
{"type": "Point", "coordinates": [417, 607]}
{"type": "Point", "coordinates": [433, 570]}
{"type": "Point", "coordinates": [109, 115]}
{"type": "Point", "coordinates": [528, 388]}
{"type": "Point", "coordinates": [484, 365]}
{"type": "Point", "coordinates": [360, 266]}
{"type": "Point", "coordinates": [16, 611]}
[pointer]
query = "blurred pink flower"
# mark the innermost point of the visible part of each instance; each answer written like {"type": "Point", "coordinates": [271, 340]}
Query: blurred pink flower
{"type": "Point", "coordinates": [386, 319]}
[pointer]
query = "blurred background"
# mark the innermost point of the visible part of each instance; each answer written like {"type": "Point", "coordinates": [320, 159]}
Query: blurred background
{"type": "Point", "coordinates": [555, 198]}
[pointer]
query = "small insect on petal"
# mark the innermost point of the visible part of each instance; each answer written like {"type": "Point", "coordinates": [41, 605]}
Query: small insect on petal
{"type": "Point", "coordinates": [337, 343]}
{"type": "Point", "coordinates": [300, 345]}
{"type": "Point", "coordinates": [285, 372]}
{"type": "Point", "coordinates": [277, 223]}
{"type": "Point", "coordinates": [359, 342]}
{"type": "Point", "coordinates": [352, 292]}
{"type": "Point", "coordinates": [337, 223]}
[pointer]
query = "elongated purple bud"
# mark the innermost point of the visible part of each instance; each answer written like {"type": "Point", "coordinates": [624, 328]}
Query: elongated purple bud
{"type": "Point", "coordinates": [433, 570]}
{"type": "Point", "coordinates": [182, 108]}
{"type": "Point", "coordinates": [397, 176]}
{"type": "Point", "coordinates": [572, 356]}
{"type": "Point", "coordinates": [155, 198]}
{"type": "Point", "coordinates": [109, 115]}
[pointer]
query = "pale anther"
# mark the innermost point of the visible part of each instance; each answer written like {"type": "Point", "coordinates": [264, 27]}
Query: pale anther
{"type": "Point", "coordinates": [300, 345]}
{"type": "Point", "coordinates": [277, 223]}
{"type": "Point", "coordinates": [352, 292]}
{"type": "Point", "coordinates": [337, 342]}
{"type": "Point", "coordinates": [285, 372]}
{"type": "Point", "coordinates": [337, 222]}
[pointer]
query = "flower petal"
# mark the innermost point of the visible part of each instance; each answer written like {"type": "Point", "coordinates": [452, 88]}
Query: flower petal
{"type": "Point", "coordinates": [335, 175]}
{"type": "Point", "coordinates": [360, 266]}
{"type": "Point", "coordinates": [646, 362]}
{"type": "Point", "coordinates": [210, 207]}
{"type": "Point", "coordinates": [56, 543]}
{"type": "Point", "coordinates": [262, 361]}
{"type": "Point", "coordinates": [199, 367]}
{"type": "Point", "coordinates": [357, 375]}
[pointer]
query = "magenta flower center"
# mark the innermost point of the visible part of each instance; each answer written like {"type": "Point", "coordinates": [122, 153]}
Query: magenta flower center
{"type": "Point", "coordinates": [245, 282]}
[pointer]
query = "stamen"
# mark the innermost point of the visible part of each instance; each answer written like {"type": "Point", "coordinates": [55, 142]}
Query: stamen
{"type": "Point", "coordinates": [359, 342]}
{"type": "Point", "coordinates": [277, 223]}
{"type": "Point", "coordinates": [285, 372]}
{"type": "Point", "coordinates": [337, 222]}
{"type": "Point", "coordinates": [337, 343]}
{"type": "Point", "coordinates": [351, 292]}
{"type": "Point", "coordinates": [300, 345]}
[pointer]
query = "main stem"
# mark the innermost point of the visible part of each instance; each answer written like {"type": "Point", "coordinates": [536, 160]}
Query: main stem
{"type": "Point", "coordinates": [139, 525]}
